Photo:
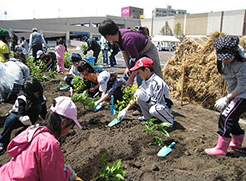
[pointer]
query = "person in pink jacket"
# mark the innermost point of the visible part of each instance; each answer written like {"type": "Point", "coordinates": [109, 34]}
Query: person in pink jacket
{"type": "Point", "coordinates": [60, 51]}
{"type": "Point", "coordinates": [36, 152]}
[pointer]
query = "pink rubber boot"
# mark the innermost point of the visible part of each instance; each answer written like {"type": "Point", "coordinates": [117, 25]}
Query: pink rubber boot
{"type": "Point", "coordinates": [236, 141]}
{"type": "Point", "coordinates": [221, 148]}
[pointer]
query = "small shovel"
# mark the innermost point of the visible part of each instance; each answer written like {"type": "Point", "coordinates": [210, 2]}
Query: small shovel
{"type": "Point", "coordinates": [78, 178]}
{"type": "Point", "coordinates": [99, 106]}
{"type": "Point", "coordinates": [114, 122]}
{"type": "Point", "coordinates": [64, 87]}
{"type": "Point", "coordinates": [112, 107]}
{"type": "Point", "coordinates": [165, 150]}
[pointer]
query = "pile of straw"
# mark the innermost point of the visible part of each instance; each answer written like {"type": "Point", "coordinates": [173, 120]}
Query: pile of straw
{"type": "Point", "coordinates": [192, 73]}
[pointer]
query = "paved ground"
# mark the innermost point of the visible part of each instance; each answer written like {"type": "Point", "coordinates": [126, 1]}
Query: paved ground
{"type": "Point", "coordinates": [164, 56]}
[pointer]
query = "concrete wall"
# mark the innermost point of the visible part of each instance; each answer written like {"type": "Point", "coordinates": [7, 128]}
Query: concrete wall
{"type": "Point", "coordinates": [214, 22]}
{"type": "Point", "coordinates": [196, 24]}
{"type": "Point", "coordinates": [233, 22]}
{"type": "Point", "coordinates": [64, 27]}
{"type": "Point", "coordinates": [203, 24]}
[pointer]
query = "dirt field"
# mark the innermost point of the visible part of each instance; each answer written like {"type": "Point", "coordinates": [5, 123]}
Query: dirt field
{"type": "Point", "coordinates": [194, 130]}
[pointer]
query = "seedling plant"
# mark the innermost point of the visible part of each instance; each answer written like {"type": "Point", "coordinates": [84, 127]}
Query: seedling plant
{"type": "Point", "coordinates": [110, 172]}
{"type": "Point", "coordinates": [84, 99]}
{"type": "Point", "coordinates": [151, 127]}
{"type": "Point", "coordinates": [128, 92]}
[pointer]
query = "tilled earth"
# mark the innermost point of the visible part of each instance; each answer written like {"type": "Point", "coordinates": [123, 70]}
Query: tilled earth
{"type": "Point", "coordinates": [194, 130]}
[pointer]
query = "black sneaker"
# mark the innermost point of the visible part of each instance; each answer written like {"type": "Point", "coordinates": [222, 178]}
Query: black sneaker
{"type": "Point", "coordinates": [2, 149]}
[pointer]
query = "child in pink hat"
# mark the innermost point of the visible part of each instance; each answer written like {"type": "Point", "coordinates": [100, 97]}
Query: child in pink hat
{"type": "Point", "coordinates": [37, 152]}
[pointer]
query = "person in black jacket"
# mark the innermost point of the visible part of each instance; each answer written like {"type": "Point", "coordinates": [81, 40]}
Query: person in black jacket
{"type": "Point", "coordinates": [114, 49]}
{"type": "Point", "coordinates": [92, 45]}
{"type": "Point", "coordinates": [28, 106]}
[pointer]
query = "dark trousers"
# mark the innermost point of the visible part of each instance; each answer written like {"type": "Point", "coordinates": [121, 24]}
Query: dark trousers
{"type": "Point", "coordinates": [12, 122]}
{"type": "Point", "coordinates": [112, 59]}
{"type": "Point", "coordinates": [36, 48]}
{"type": "Point", "coordinates": [105, 56]}
{"type": "Point", "coordinates": [96, 53]}
{"type": "Point", "coordinates": [228, 120]}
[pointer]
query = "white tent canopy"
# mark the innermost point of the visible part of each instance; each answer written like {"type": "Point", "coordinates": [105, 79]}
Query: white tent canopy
{"type": "Point", "coordinates": [165, 38]}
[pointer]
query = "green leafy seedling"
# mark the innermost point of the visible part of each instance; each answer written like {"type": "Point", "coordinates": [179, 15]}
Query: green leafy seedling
{"type": "Point", "coordinates": [110, 171]}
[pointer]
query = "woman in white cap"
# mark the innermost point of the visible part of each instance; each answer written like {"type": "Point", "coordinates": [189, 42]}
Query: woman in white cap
{"type": "Point", "coordinates": [232, 66]}
{"type": "Point", "coordinates": [36, 152]}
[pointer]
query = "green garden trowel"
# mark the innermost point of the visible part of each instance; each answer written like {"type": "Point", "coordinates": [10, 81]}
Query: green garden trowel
{"type": "Point", "coordinates": [165, 150]}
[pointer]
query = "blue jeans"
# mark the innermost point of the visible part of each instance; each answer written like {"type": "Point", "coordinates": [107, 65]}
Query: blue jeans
{"type": "Point", "coordinates": [105, 56]}
{"type": "Point", "coordinates": [12, 122]}
{"type": "Point", "coordinates": [131, 64]}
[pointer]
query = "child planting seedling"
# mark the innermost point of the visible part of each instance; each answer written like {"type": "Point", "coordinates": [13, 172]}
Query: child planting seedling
{"type": "Point", "coordinates": [152, 96]}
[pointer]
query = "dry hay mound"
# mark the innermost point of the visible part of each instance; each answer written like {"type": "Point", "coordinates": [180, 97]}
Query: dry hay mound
{"type": "Point", "coordinates": [192, 73]}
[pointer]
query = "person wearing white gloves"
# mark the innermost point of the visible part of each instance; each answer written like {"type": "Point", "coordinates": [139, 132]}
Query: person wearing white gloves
{"type": "Point", "coordinates": [29, 104]}
{"type": "Point", "coordinates": [152, 96]}
{"type": "Point", "coordinates": [232, 65]}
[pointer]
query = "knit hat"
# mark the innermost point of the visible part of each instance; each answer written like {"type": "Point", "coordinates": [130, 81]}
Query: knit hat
{"type": "Point", "coordinates": [226, 47]}
{"type": "Point", "coordinates": [64, 106]}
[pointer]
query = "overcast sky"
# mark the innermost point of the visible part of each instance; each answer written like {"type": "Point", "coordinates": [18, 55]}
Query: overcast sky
{"type": "Point", "coordinates": [29, 9]}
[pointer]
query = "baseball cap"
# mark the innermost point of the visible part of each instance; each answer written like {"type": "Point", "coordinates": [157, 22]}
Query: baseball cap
{"type": "Point", "coordinates": [75, 57]}
{"type": "Point", "coordinates": [39, 53]}
{"type": "Point", "coordinates": [103, 79]}
{"type": "Point", "coordinates": [226, 47]}
{"type": "Point", "coordinates": [64, 106]}
{"type": "Point", "coordinates": [143, 62]}
{"type": "Point", "coordinates": [34, 29]}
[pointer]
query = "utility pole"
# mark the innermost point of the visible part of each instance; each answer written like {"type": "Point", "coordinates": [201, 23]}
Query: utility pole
{"type": "Point", "coordinates": [221, 21]}
{"type": "Point", "coordinates": [152, 23]}
{"type": "Point", "coordinates": [5, 14]}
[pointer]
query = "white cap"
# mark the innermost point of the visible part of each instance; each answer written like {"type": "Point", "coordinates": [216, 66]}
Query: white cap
{"type": "Point", "coordinates": [103, 79]}
{"type": "Point", "coordinates": [39, 53]}
{"type": "Point", "coordinates": [34, 29]}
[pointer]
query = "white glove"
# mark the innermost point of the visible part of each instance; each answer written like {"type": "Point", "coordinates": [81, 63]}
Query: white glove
{"type": "Point", "coordinates": [25, 120]}
{"type": "Point", "coordinates": [122, 114]}
{"type": "Point", "coordinates": [73, 175]}
{"type": "Point", "coordinates": [141, 94]}
{"type": "Point", "coordinates": [221, 103]}
{"type": "Point", "coordinates": [96, 103]}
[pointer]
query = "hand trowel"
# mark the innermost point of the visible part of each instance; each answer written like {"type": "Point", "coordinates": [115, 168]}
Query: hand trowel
{"type": "Point", "coordinates": [165, 150]}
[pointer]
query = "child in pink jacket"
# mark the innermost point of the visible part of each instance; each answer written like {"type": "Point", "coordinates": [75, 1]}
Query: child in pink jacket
{"type": "Point", "coordinates": [36, 152]}
{"type": "Point", "coordinates": [60, 51]}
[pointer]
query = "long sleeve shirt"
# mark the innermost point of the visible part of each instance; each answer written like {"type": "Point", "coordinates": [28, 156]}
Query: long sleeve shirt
{"type": "Point", "coordinates": [156, 89]}
{"type": "Point", "coordinates": [235, 76]}
{"type": "Point", "coordinates": [36, 38]}
{"type": "Point", "coordinates": [132, 42]}
{"type": "Point", "coordinates": [60, 51]}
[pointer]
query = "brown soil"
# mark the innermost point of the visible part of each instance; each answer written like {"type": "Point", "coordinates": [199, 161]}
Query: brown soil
{"type": "Point", "coordinates": [194, 130]}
